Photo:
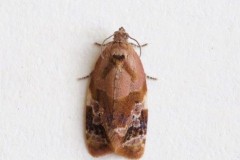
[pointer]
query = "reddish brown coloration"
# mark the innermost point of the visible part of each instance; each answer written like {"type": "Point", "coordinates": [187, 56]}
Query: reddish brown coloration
{"type": "Point", "coordinates": [116, 118]}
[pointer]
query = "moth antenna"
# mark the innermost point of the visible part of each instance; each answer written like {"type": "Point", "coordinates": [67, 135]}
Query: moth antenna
{"type": "Point", "coordinates": [103, 44]}
{"type": "Point", "coordinates": [140, 48]}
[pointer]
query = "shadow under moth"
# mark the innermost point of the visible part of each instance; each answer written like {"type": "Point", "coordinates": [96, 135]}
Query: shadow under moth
{"type": "Point", "coordinates": [116, 113]}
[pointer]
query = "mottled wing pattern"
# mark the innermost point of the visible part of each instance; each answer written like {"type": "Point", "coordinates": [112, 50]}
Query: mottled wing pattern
{"type": "Point", "coordinates": [96, 137]}
{"type": "Point", "coordinates": [130, 144]}
{"type": "Point", "coordinates": [133, 142]}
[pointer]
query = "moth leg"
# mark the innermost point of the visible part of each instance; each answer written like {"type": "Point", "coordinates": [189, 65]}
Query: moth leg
{"type": "Point", "coordinates": [98, 44]}
{"type": "Point", "coordinates": [138, 46]}
{"type": "Point", "coordinates": [150, 77]}
{"type": "Point", "coordinates": [85, 77]}
{"type": "Point", "coordinates": [96, 138]}
{"type": "Point", "coordinates": [101, 45]}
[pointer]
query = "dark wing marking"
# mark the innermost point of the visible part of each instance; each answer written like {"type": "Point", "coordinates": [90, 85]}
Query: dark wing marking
{"type": "Point", "coordinates": [134, 140]}
{"type": "Point", "coordinates": [96, 137]}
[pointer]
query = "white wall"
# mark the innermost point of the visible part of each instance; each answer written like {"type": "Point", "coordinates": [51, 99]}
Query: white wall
{"type": "Point", "coordinates": [193, 49]}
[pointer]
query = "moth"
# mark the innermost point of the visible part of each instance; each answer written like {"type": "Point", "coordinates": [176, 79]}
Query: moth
{"type": "Point", "coordinates": [116, 113]}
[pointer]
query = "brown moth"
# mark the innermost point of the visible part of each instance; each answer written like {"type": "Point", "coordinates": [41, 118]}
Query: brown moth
{"type": "Point", "coordinates": [116, 114]}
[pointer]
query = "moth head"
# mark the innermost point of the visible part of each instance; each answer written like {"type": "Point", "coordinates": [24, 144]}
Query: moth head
{"type": "Point", "coordinates": [121, 35]}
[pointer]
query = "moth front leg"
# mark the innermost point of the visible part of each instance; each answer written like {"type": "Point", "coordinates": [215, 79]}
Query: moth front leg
{"type": "Point", "coordinates": [135, 45]}
{"type": "Point", "coordinates": [101, 45]}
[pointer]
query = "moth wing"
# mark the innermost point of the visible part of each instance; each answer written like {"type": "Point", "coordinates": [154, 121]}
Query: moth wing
{"type": "Point", "coordinates": [134, 140]}
{"type": "Point", "coordinates": [96, 138]}
{"type": "Point", "coordinates": [133, 143]}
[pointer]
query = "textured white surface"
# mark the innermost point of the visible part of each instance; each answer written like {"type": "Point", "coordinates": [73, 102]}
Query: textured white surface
{"type": "Point", "coordinates": [194, 50]}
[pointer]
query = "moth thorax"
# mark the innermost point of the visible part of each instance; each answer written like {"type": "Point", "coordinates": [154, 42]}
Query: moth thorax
{"type": "Point", "coordinates": [120, 35]}
{"type": "Point", "coordinates": [118, 60]}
